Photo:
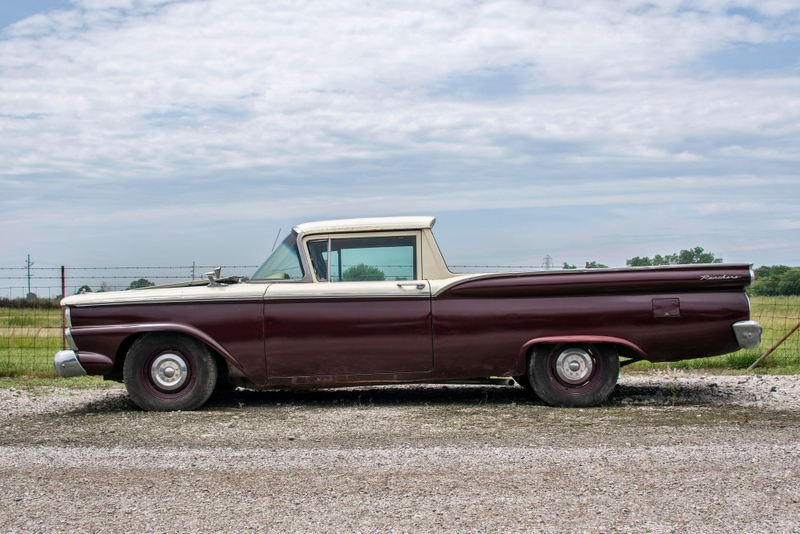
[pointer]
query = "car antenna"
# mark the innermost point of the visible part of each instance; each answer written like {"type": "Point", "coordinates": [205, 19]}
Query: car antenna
{"type": "Point", "coordinates": [276, 240]}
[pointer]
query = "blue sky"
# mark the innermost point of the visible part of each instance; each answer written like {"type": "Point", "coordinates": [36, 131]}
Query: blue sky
{"type": "Point", "coordinates": [140, 132]}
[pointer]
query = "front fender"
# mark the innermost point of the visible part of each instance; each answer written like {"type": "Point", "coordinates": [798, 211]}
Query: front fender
{"type": "Point", "coordinates": [107, 339]}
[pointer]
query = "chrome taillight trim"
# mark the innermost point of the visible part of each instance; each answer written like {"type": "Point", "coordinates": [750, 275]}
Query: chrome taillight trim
{"type": "Point", "coordinates": [68, 316]}
{"type": "Point", "coordinates": [70, 341]}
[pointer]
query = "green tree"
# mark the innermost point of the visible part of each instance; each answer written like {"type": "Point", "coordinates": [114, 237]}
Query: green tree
{"type": "Point", "coordinates": [639, 262]}
{"type": "Point", "coordinates": [141, 282]}
{"type": "Point", "coordinates": [685, 256]}
{"type": "Point", "coordinates": [790, 282]}
{"type": "Point", "coordinates": [568, 266]}
{"type": "Point", "coordinates": [104, 287]}
{"type": "Point", "coordinates": [768, 280]}
{"type": "Point", "coordinates": [83, 289]}
{"type": "Point", "coordinates": [595, 265]}
{"type": "Point", "coordinates": [362, 273]}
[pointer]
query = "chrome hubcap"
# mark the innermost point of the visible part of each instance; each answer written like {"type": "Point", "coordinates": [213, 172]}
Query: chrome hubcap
{"type": "Point", "coordinates": [169, 371]}
{"type": "Point", "coordinates": [574, 366]}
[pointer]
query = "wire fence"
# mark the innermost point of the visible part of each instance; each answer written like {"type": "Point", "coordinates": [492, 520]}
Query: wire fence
{"type": "Point", "coordinates": [31, 334]}
{"type": "Point", "coordinates": [54, 282]}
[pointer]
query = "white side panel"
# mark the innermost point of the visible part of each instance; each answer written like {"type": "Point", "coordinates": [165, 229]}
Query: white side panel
{"type": "Point", "coordinates": [171, 294]}
{"type": "Point", "coordinates": [326, 290]}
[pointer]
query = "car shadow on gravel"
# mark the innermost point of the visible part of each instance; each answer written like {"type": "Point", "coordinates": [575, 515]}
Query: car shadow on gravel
{"type": "Point", "coordinates": [659, 393]}
{"type": "Point", "coordinates": [416, 395]}
{"type": "Point", "coordinates": [650, 393]}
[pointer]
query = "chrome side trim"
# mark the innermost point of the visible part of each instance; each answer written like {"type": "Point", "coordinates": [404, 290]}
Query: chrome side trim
{"type": "Point", "coordinates": [68, 316]}
{"type": "Point", "coordinates": [748, 334]}
{"type": "Point", "coordinates": [352, 296]}
{"type": "Point", "coordinates": [70, 341]}
{"type": "Point", "coordinates": [468, 277]}
{"type": "Point", "coordinates": [67, 365]}
{"type": "Point", "coordinates": [167, 300]}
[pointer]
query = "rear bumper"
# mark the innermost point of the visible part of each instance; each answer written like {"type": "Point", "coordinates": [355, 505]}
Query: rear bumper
{"type": "Point", "coordinates": [67, 364]}
{"type": "Point", "coordinates": [748, 334]}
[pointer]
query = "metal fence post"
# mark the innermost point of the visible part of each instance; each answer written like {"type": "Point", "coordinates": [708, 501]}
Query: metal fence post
{"type": "Point", "coordinates": [63, 295]}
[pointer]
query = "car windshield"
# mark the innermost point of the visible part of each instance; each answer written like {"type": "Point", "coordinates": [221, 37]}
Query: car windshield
{"type": "Point", "coordinates": [283, 264]}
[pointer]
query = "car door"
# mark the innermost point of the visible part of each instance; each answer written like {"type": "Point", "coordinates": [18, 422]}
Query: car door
{"type": "Point", "coordinates": [366, 312]}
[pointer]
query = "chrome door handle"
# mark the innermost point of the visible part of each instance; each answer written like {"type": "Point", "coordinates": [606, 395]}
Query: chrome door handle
{"type": "Point", "coordinates": [418, 286]}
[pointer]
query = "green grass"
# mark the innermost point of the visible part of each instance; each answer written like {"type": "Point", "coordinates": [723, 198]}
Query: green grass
{"type": "Point", "coordinates": [29, 338]}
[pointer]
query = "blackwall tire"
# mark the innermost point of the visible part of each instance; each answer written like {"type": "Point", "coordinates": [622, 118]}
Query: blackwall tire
{"type": "Point", "coordinates": [167, 371]}
{"type": "Point", "coordinates": [575, 375]}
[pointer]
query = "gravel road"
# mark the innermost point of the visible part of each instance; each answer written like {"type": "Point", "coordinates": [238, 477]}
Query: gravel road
{"type": "Point", "coordinates": [668, 453]}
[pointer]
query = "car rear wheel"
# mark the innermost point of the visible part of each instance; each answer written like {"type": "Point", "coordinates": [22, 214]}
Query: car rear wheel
{"type": "Point", "coordinates": [575, 374]}
{"type": "Point", "coordinates": [167, 371]}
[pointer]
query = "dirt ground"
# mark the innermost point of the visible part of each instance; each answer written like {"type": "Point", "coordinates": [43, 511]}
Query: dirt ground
{"type": "Point", "coordinates": [667, 453]}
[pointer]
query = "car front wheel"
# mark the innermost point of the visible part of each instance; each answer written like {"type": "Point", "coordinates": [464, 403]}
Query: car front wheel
{"type": "Point", "coordinates": [167, 371]}
{"type": "Point", "coordinates": [574, 374]}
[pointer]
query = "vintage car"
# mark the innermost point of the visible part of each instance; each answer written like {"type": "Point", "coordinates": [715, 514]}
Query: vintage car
{"type": "Point", "coordinates": [372, 301]}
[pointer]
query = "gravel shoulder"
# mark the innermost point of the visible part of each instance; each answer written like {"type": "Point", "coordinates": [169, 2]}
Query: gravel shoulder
{"type": "Point", "coordinates": [667, 453]}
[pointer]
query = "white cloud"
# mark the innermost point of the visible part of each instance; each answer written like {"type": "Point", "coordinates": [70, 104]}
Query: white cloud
{"type": "Point", "coordinates": [344, 107]}
{"type": "Point", "coordinates": [248, 83]}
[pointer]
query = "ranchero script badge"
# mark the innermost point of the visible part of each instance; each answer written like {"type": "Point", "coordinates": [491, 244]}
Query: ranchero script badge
{"type": "Point", "coordinates": [723, 277]}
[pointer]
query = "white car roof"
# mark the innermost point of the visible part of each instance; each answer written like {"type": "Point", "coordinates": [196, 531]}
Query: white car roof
{"type": "Point", "coordinates": [366, 225]}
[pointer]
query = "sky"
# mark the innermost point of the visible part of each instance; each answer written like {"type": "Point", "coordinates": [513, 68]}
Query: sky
{"type": "Point", "coordinates": [145, 132]}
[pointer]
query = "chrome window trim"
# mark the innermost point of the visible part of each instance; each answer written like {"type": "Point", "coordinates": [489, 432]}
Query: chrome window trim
{"type": "Point", "coordinates": [416, 234]}
{"type": "Point", "coordinates": [329, 260]}
{"type": "Point", "coordinates": [302, 253]}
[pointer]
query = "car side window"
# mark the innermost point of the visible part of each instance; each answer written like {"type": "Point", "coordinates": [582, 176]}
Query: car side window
{"type": "Point", "coordinates": [364, 259]}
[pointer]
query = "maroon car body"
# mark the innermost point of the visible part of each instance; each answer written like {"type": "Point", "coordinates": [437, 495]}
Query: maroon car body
{"type": "Point", "coordinates": [560, 333]}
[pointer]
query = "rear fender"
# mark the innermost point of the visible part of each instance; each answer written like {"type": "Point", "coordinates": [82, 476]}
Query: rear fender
{"type": "Point", "coordinates": [627, 348]}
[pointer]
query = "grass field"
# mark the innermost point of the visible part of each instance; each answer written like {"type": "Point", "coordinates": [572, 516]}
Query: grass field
{"type": "Point", "coordinates": [30, 337]}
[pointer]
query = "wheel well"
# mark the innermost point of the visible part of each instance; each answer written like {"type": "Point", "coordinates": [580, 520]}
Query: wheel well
{"type": "Point", "coordinates": [127, 343]}
{"type": "Point", "coordinates": [622, 350]}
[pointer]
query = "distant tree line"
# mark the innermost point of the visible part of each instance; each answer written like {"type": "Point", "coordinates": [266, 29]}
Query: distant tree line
{"type": "Point", "coordinates": [692, 255]}
{"type": "Point", "coordinates": [31, 302]}
{"type": "Point", "coordinates": [589, 265]}
{"type": "Point", "coordinates": [776, 280]}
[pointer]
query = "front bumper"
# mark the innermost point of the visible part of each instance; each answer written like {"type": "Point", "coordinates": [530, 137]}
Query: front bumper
{"type": "Point", "coordinates": [67, 364]}
{"type": "Point", "coordinates": [748, 334]}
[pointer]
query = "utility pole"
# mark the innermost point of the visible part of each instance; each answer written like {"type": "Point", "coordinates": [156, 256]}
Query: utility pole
{"type": "Point", "coordinates": [547, 263]}
{"type": "Point", "coordinates": [29, 262]}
